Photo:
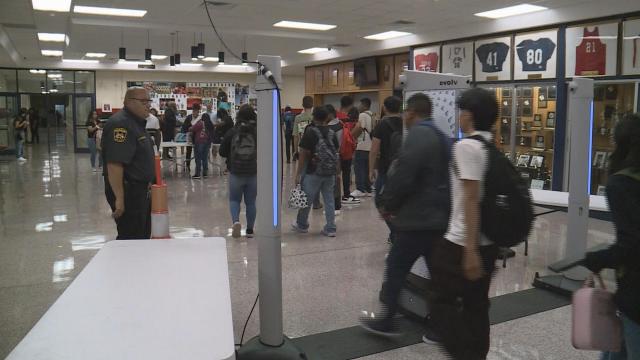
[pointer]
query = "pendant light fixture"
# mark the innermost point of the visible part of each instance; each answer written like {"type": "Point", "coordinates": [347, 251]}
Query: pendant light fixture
{"type": "Point", "coordinates": [245, 55]}
{"type": "Point", "coordinates": [200, 52]}
{"type": "Point", "coordinates": [221, 57]}
{"type": "Point", "coordinates": [194, 49]}
{"type": "Point", "coordinates": [172, 59]}
{"type": "Point", "coordinates": [147, 51]}
{"type": "Point", "coordinates": [176, 57]}
{"type": "Point", "coordinates": [122, 51]}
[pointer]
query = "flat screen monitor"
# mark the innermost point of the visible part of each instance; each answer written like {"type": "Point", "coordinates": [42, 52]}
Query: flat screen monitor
{"type": "Point", "coordinates": [366, 71]}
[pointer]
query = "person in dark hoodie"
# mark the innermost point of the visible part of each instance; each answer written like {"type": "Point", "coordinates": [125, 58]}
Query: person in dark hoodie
{"type": "Point", "coordinates": [239, 146]}
{"type": "Point", "coordinates": [416, 201]}
{"type": "Point", "coordinates": [623, 195]}
{"type": "Point", "coordinates": [169, 126]}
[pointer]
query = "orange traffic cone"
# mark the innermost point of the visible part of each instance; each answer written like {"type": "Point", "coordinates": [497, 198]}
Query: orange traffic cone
{"type": "Point", "coordinates": [159, 205]}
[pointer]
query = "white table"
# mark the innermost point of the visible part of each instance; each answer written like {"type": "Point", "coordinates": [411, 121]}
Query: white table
{"type": "Point", "coordinates": [174, 145]}
{"type": "Point", "coordinates": [561, 199]}
{"type": "Point", "coordinates": [141, 299]}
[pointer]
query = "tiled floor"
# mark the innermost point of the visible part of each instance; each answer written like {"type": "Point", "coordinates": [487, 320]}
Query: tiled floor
{"type": "Point", "coordinates": [53, 219]}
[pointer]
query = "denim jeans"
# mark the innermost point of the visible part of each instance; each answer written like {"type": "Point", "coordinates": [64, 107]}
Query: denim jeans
{"type": "Point", "coordinates": [362, 171]}
{"type": "Point", "coordinates": [313, 185]}
{"type": "Point", "coordinates": [246, 186]}
{"type": "Point", "coordinates": [94, 152]}
{"type": "Point", "coordinates": [202, 158]}
{"type": "Point", "coordinates": [631, 346]}
{"type": "Point", "coordinates": [20, 148]}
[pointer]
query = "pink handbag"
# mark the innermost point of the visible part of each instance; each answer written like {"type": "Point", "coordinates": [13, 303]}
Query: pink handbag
{"type": "Point", "coordinates": [596, 325]}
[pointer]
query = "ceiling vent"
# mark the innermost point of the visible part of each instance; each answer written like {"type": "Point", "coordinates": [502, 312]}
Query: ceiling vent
{"type": "Point", "coordinates": [339, 45]}
{"type": "Point", "coordinates": [402, 22]}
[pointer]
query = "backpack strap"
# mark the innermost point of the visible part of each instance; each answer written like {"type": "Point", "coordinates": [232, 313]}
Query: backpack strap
{"type": "Point", "coordinates": [630, 172]}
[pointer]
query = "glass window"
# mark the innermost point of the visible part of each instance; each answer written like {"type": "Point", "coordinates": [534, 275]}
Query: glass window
{"type": "Point", "coordinates": [30, 81]}
{"type": "Point", "coordinates": [59, 81]}
{"type": "Point", "coordinates": [84, 106]}
{"type": "Point", "coordinates": [8, 80]}
{"type": "Point", "coordinates": [85, 82]}
{"type": "Point", "coordinates": [610, 103]}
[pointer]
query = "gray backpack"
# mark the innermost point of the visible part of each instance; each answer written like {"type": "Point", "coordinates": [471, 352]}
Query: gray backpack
{"type": "Point", "coordinates": [326, 155]}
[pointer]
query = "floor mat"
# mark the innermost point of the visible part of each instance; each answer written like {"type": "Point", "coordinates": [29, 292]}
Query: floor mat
{"type": "Point", "coordinates": [354, 342]}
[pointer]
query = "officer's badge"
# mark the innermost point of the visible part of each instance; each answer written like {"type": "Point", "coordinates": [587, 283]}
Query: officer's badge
{"type": "Point", "coordinates": [119, 135]}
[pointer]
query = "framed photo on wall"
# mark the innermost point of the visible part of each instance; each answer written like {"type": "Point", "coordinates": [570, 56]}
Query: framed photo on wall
{"type": "Point", "coordinates": [592, 50]}
{"type": "Point", "coordinates": [458, 59]}
{"type": "Point", "coordinates": [387, 72]}
{"type": "Point", "coordinates": [523, 160]}
{"type": "Point", "coordinates": [551, 119]}
{"type": "Point", "coordinates": [427, 58]}
{"type": "Point", "coordinates": [506, 93]}
{"type": "Point", "coordinates": [537, 120]}
{"type": "Point", "coordinates": [493, 59]}
{"type": "Point", "coordinates": [631, 47]}
{"type": "Point", "coordinates": [106, 108]}
{"type": "Point", "coordinates": [551, 92]}
{"type": "Point", "coordinates": [334, 77]}
{"type": "Point", "coordinates": [535, 55]}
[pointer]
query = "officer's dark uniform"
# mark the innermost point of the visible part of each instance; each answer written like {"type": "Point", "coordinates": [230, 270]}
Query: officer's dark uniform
{"type": "Point", "coordinates": [126, 141]}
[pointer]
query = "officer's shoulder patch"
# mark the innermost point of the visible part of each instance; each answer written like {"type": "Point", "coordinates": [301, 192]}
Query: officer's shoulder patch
{"type": "Point", "coordinates": [119, 135]}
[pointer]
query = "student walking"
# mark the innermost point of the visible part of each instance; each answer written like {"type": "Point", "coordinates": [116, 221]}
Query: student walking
{"type": "Point", "coordinates": [202, 135]}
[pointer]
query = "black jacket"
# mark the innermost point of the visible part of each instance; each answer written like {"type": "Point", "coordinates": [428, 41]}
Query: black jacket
{"type": "Point", "coordinates": [623, 195]}
{"type": "Point", "coordinates": [417, 190]}
{"type": "Point", "coordinates": [169, 128]}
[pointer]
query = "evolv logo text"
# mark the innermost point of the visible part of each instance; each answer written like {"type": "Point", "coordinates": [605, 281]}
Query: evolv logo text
{"type": "Point", "coordinates": [449, 82]}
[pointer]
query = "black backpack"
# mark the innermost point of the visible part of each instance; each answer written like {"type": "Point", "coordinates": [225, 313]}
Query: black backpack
{"type": "Point", "coordinates": [326, 155]}
{"type": "Point", "coordinates": [244, 153]}
{"type": "Point", "coordinates": [395, 141]}
{"type": "Point", "coordinates": [506, 208]}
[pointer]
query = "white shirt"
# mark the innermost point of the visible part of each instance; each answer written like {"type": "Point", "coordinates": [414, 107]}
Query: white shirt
{"type": "Point", "coordinates": [470, 158]}
{"type": "Point", "coordinates": [364, 140]}
{"type": "Point", "coordinates": [152, 122]}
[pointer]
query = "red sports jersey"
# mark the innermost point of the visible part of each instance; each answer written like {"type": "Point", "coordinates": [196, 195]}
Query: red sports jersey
{"type": "Point", "coordinates": [428, 62]}
{"type": "Point", "coordinates": [591, 54]}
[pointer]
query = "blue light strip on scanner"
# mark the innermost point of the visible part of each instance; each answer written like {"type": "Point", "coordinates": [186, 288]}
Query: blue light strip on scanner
{"type": "Point", "coordinates": [275, 159]}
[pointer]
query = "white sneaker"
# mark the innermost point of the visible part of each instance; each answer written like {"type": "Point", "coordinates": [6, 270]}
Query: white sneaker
{"type": "Point", "coordinates": [94, 169]}
{"type": "Point", "coordinates": [337, 212]}
{"type": "Point", "coordinates": [236, 230]}
{"type": "Point", "coordinates": [22, 159]}
{"type": "Point", "coordinates": [357, 194]}
{"type": "Point", "coordinates": [350, 200]}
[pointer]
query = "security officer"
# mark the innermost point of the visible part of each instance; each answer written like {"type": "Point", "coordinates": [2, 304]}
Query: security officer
{"type": "Point", "coordinates": [127, 151]}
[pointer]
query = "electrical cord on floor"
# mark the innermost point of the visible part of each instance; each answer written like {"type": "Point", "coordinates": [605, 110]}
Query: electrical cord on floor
{"type": "Point", "coordinates": [247, 322]}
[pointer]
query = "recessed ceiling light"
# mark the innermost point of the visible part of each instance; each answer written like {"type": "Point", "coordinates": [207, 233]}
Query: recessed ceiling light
{"type": "Point", "coordinates": [304, 25]}
{"type": "Point", "coordinates": [210, 59]}
{"type": "Point", "coordinates": [313, 50]}
{"type": "Point", "coordinates": [158, 57]}
{"type": "Point", "coordinates": [387, 35]}
{"type": "Point", "coordinates": [37, 71]}
{"type": "Point", "coordinates": [95, 55]}
{"type": "Point", "coordinates": [53, 37]}
{"type": "Point", "coordinates": [511, 11]}
{"type": "Point", "coordinates": [54, 76]}
{"type": "Point", "coordinates": [51, 52]}
{"type": "Point", "coordinates": [51, 5]}
{"type": "Point", "coordinates": [95, 10]}
{"type": "Point", "coordinates": [189, 64]}
{"type": "Point", "coordinates": [80, 61]}
{"type": "Point", "coordinates": [135, 62]}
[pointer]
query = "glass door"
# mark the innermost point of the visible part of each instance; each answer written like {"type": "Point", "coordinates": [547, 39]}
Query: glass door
{"type": "Point", "coordinates": [8, 111]}
{"type": "Point", "coordinates": [84, 106]}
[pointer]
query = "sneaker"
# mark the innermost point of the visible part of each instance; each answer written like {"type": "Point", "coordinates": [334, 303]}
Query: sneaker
{"type": "Point", "coordinates": [350, 200]}
{"type": "Point", "coordinates": [338, 212]}
{"type": "Point", "coordinates": [22, 158]}
{"type": "Point", "coordinates": [205, 176]}
{"type": "Point", "coordinates": [357, 194]}
{"type": "Point", "coordinates": [250, 234]}
{"type": "Point", "coordinates": [430, 337]}
{"type": "Point", "coordinates": [379, 326]}
{"type": "Point", "coordinates": [298, 229]}
{"type": "Point", "coordinates": [328, 233]}
{"type": "Point", "coordinates": [195, 177]}
{"type": "Point", "coordinates": [94, 169]}
{"type": "Point", "coordinates": [237, 228]}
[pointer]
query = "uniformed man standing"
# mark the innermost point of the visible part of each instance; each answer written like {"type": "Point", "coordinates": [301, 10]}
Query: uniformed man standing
{"type": "Point", "coordinates": [127, 151]}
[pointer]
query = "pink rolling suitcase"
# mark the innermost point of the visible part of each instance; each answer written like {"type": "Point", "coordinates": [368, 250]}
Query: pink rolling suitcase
{"type": "Point", "coordinates": [596, 325]}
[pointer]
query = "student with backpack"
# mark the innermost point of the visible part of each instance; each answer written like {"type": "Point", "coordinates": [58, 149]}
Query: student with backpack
{"type": "Point", "coordinates": [347, 151]}
{"type": "Point", "coordinates": [288, 118]}
{"type": "Point", "coordinates": [239, 146]}
{"type": "Point", "coordinates": [202, 135]}
{"type": "Point", "coordinates": [317, 169]}
{"type": "Point", "coordinates": [416, 201]}
{"type": "Point", "coordinates": [362, 132]}
{"type": "Point", "coordinates": [623, 195]}
{"type": "Point", "coordinates": [463, 262]}
{"type": "Point", "coordinates": [336, 125]}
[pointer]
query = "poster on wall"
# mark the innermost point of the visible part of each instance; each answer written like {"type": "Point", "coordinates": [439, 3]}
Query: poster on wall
{"type": "Point", "coordinates": [631, 47]}
{"type": "Point", "coordinates": [493, 59]}
{"type": "Point", "coordinates": [535, 55]}
{"type": "Point", "coordinates": [427, 58]}
{"type": "Point", "coordinates": [458, 59]}
{"type": "Point", "coordinates": [592, 50]}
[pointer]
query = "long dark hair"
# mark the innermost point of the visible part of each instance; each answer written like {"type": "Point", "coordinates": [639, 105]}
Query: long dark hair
{"type": "Point", "coordinates": [90, 117]}
{"type": "Point", "coordinates": [627, 138]}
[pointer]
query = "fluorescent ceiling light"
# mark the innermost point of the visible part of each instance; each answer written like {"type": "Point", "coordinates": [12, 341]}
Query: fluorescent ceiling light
{"type": "Point", "coordinates": [95, 55]}
{"type": "Point", "coordinates": [53, 37]}
{"type": "Point", "coordinates": [80, 61]}
{"type": "Point", "coordinates": [304, 25]}
{"type": "Point", "coordinates": [51, 52]}
{"type": "Point", "coordinates": [313, 50]}
{"type": "Point", "coordinates": [36, 71]}
{"type": "Point", "coordinates": [54, 76]}
{"type": "Point", "coordinates": [189, 64]}
{"type": "Point", "coordinates": [210, 59]}
{"type": "Point", "coordinates": [387, 35]}
{"type": "Point", "coordinates": [511, 11]}
{"type": "Point", "coordinates": [135, 62]}
{"type": "Point", "coordinates": [95, 10]}
{"type": "Point", "coordinates": [158, 57]}
{"type": "Point", "coordinates": [51, 5]}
